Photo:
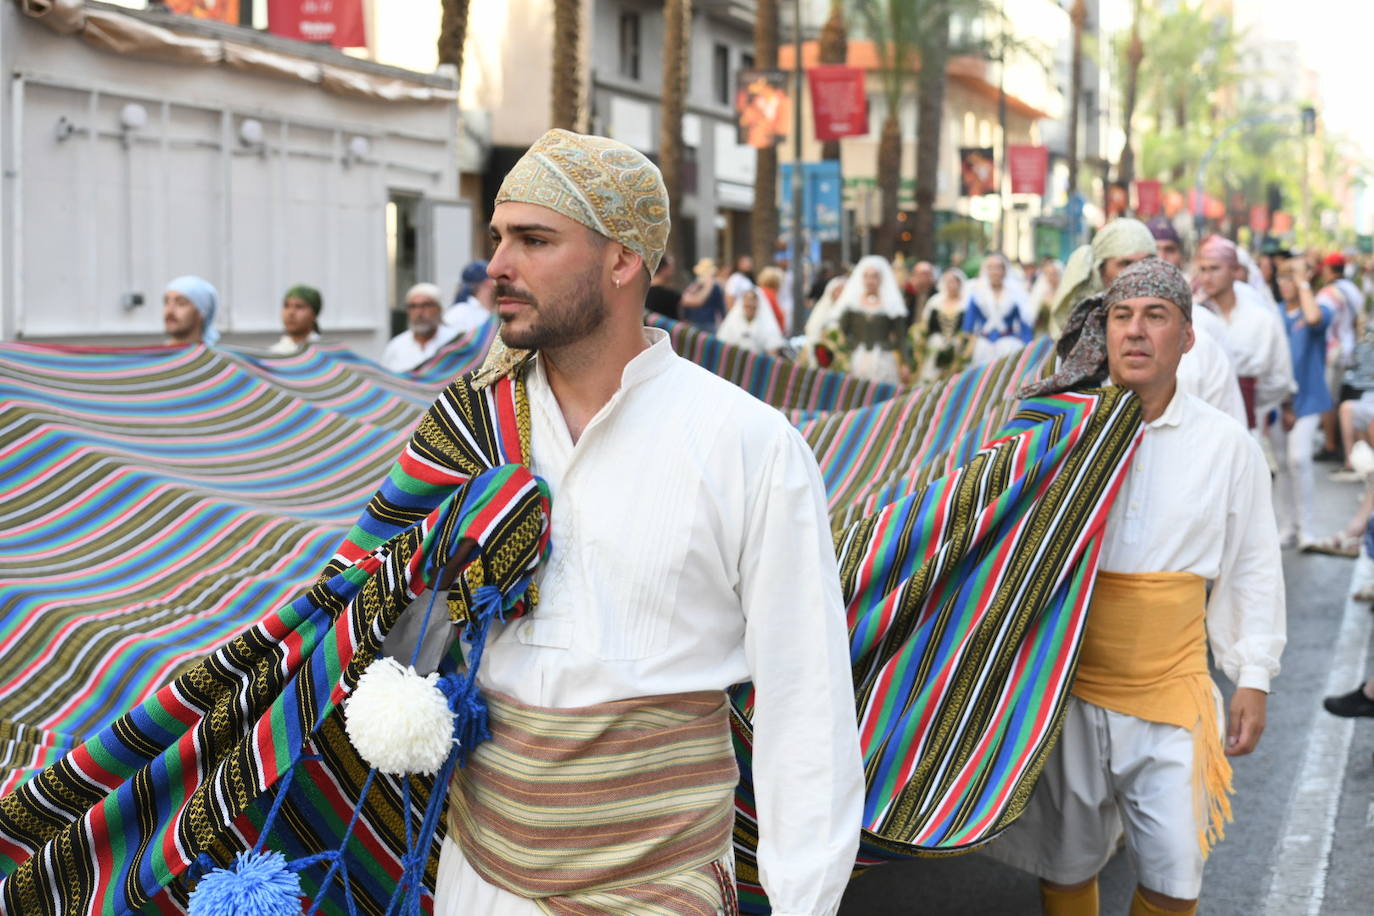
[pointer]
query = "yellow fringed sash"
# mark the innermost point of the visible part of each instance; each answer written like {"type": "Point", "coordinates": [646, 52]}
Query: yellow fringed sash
{"type": "Point", "coordinates": [1144, 653]}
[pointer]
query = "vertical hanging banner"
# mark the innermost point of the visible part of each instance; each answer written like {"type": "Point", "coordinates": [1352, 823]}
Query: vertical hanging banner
{"type": "Point", "coordinates": [977, 172]}
{"type": "Point", "coordinates": [839, 104]}
{"type": "Point", "coordinates": [335, 22]}
{"type": "Point", "coordinates": [1118, 199]}
{"type": "Point", "coordinates": [822, 199]}
{"type": "Point", "coordinates": [1259, 219]}
{"type": "Point", "coordinates": [1029, 166]}
{"type": "Point", "coordinates": [1149, 199]}
{"type": "Point", "coordinates": [218, 10]}
{"type": "Point", "coordinates": [764, 109]}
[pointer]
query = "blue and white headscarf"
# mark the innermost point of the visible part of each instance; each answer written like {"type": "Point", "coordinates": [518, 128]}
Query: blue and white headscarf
{"type": "Point", "coordinates": [204, 297]}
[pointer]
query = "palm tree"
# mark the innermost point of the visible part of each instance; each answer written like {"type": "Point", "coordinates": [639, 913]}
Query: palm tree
{"type": "Point", "coordinates": [930, 104]}
{"type": "Point", "coordinates": [677, 34]}
{"type": "Point", "coordinates": [1135, 52]}
{"type": "Point", "coordinates": [833, 49]}
{"type": "Point", "coordinates": [892, 26]}
{"type": "Point", "coordinates": [567, 64]}
{"type": "Point", "coordinates": [453, 30]}
{"type": "Point", "coordinates": [764, 226]}
{"type": "Point", "coordinates": [931, 21]}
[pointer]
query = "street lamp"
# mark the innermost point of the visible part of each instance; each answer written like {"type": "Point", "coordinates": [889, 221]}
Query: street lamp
{"type": "Point", "coordinates": [1199, 218]}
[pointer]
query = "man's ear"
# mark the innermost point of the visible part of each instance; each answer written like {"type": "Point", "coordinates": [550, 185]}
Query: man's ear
{"type": "Point", "coordinates": [628, 267]}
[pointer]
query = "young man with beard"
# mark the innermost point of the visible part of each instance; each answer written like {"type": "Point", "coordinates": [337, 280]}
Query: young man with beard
{"type": "Point", "coordinates": [691, 550]}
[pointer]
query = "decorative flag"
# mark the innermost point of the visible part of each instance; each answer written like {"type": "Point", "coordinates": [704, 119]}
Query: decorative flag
{"type": "Point", "coordinates": [763, 107]}
{"type": "Point", "coordinates": [838, 101]}
{"type": "Point", "coordinates": [1028, 166]}
{"type": "Point", "coordinates": [335, 22]}
{"type": "Point", "coordinates": [977, 171]}
{"type": "Point", "coordinates": [218, 10]}
{"type": "Point", "coordinates": [1283, 223]}
{"type": "Point", "coordinates": [1118, 199]}
{"type": "Point", "coordinates": [1259, 219]}
{"type": "Point", "coordinates": [1149, 200]}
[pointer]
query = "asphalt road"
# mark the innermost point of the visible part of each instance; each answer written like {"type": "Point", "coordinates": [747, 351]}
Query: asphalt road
{"type": "Point", "coordinates": [1303, 837]}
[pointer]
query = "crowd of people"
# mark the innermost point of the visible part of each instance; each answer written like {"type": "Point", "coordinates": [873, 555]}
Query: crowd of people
{"type": "Point", "coordinates": [1242, 358]}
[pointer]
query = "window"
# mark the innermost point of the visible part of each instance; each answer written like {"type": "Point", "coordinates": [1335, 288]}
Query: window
{"type": "Point", "coordinates": [746, 61]}
{"type": "Point", "coordinates": [720, 74]}
{"type": "Point", "coordinates": [629, 45]}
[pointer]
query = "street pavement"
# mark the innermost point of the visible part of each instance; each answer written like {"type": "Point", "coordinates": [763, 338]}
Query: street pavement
{"type": "Point", "coordinates": [1302, 842]}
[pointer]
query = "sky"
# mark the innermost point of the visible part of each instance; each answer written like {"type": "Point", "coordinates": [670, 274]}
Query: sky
{"type": "Point", "coordinates": [1334, 40]}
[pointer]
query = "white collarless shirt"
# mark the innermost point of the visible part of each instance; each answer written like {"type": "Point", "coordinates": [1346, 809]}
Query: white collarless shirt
{"type": "Point", "coordinates": [691, 550]}
{"type": "Point", "coordinates": [1196, 499]}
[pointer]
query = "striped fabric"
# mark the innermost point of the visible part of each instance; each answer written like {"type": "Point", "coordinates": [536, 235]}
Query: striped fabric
{"type": "Point", "coordinates": [624, 807]}
{"type": "Point", "coordinates": [163, 504]}
{"type": "Point", "coordinates": [966, 603]}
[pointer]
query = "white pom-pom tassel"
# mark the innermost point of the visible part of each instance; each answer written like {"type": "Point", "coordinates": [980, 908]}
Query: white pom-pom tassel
{"type": "Point", "coordinates": [398, 721]}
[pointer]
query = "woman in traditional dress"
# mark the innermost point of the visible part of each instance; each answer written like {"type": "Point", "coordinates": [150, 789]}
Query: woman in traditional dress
{"type": "Point", "coordinates": [750, 325]}
{"type": "Point", "coordinates": [938, 341]}
{"type": "Point", "coordinates": [873, 323]}
{"type": "Point", "coordinates": [996, 312]}
{"type": "Point", "coordinates": [823, 329]}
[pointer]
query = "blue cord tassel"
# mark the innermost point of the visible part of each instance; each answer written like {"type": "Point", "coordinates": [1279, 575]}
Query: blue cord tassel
{"type": "Point", "coordinates": [256, 885]}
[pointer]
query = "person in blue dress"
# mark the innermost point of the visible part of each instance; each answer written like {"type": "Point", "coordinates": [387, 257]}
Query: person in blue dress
{"type": "Point", "coordinates": [996, 313]}
{"type": "Point", "coordinates": [1293, 438]}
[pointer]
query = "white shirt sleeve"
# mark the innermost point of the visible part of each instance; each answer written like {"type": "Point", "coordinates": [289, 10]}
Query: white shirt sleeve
{"type": "Point", "coordinates": [1276, 383]}
{"type": "Point", "coordinates": [1246, 614]}
{"type": "Point", "coordinates": [808, 775]}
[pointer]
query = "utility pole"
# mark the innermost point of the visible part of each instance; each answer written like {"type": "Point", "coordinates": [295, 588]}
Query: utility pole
{"type": "Point", "coordinates": [1003, 195]}
{"type": "Point", "coordinates": [798, 278]}
{"type": "Point", "coordinates": [1078, 16]}
{"type": "Point", "coordinates": [1309, 130]}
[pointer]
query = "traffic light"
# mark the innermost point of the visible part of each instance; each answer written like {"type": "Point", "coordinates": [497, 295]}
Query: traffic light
{"type": "Point", "coordinates": [1309, 121]}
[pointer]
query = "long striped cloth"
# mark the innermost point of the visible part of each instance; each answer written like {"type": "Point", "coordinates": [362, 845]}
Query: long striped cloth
{"type": "Point", "coordinates": [164, 501]}
{"type": "Point", "coordinates": [655, 776]}
{"type": "Point", "coordinates": [966, 603]}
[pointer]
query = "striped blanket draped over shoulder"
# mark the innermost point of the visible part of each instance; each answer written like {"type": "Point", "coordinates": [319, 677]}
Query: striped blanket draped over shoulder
{"type": "Point", "coordinates": [966, 532]}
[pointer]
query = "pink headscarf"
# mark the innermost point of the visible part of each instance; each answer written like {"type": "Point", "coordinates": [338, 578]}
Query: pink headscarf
{"type": "Point", "coordinates": [1220, 249]}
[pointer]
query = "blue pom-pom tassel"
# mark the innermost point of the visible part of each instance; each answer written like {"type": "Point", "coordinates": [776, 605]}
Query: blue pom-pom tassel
{"type": "Point", "coordinates": [258, 884]}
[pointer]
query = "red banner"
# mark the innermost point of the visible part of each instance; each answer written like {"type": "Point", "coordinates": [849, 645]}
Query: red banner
{"type": "Point", "coordinates": [1029, 165]}
{"type": "Point", "coordinates": [1259, 219]}
{"type": "Point", "coordinates": [335, 22]}
{"type": "Point", "coordinates": [839, 104]}
{"type": "Point", "coordinates": [1149, 198]}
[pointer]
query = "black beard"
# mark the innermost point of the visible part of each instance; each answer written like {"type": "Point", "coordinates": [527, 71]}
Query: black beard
{"type": "Point", "coordinates": [559, 324]}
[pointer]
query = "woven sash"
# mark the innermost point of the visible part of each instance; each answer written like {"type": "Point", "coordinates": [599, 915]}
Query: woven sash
{"type": "Point", "coordinates": [619, 807]}
{"type": "Point", "coordinates": [1144, 654]}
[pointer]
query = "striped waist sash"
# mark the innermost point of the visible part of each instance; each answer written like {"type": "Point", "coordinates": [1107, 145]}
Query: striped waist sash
{"type": "Point", "coordinates": [608, 808]}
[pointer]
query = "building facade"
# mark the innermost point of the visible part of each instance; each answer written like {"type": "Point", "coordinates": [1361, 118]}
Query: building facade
{"type": "Point", "coordinates": [198, 148]}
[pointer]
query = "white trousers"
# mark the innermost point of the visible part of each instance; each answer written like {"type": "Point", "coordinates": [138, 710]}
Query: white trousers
{"type": "Point", "coordinates": [1294, 485]}
{"type": "Point", "coordinates": [1111, 772]}
{"type": "Point", "coordinates": [460, 891]}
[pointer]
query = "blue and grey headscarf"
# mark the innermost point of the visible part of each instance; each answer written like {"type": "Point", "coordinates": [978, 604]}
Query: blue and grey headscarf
{"type": "Point", "coordinates": [204, 297]}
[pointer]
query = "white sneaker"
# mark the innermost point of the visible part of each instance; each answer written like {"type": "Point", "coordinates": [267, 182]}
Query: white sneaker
{"type": "Point", "coordinates": [1362, 458]}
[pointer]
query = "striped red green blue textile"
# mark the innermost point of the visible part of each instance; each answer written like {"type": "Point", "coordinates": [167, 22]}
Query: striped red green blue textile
{"type": "Point", "coordinates": [124, 813]}
{"type": "Point", "coordinates": [966, 602]}
{"type": "Point", "coordinates": [142, 549]}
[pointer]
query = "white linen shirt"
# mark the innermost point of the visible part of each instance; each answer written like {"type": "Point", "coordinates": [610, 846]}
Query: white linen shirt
{"type": "Point", "coordinates": [1196, 499]}
{"type": "Point", "coordinates": [1207, 371]}
{"type": "Point", "coordinates": [404, 352]}
{"type": "Point", "coordinates": [1257, 341]}
{"type": "Point", "coordinates": [691, 550]}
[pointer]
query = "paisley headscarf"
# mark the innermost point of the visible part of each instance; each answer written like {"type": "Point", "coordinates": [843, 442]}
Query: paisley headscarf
{"type": "Point", "coordinates": [1082, 348]}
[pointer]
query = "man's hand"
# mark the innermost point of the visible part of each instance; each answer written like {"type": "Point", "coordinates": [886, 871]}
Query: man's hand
{"type": "Point", "coordinates": [1246, 721]}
